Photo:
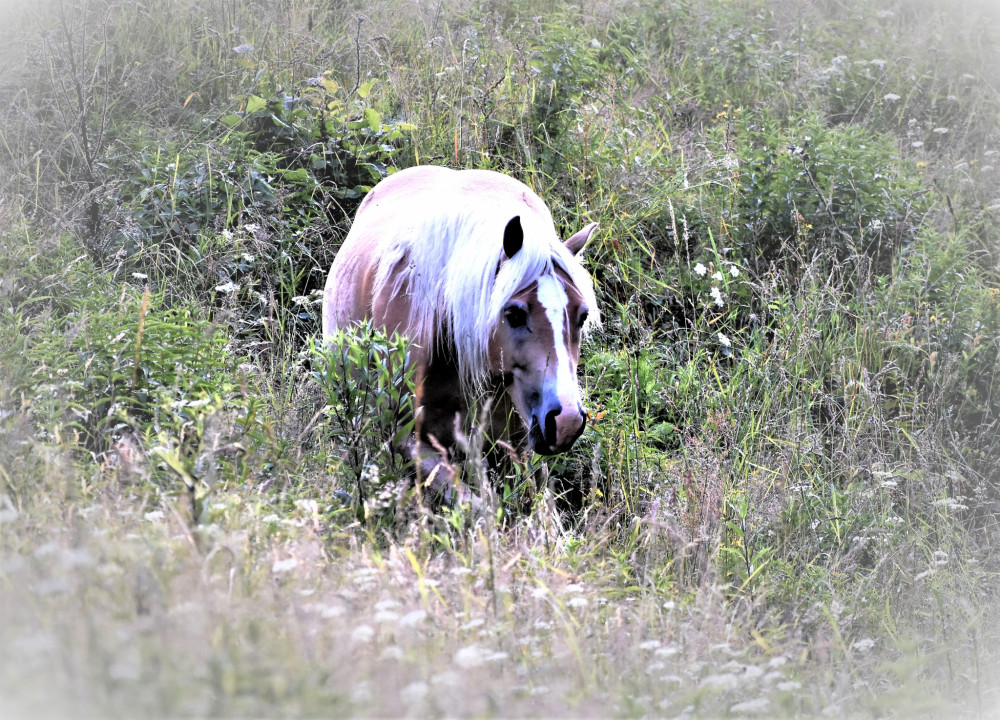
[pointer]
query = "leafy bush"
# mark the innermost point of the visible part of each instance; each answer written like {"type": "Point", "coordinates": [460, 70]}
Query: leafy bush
{"type": "Point", "coordinates": [249, 215]}
{"type": "Point", "coordinates": [811, 188]}
{"type": "Point", "coordinates": [366, 382]}
{"type": "Point", "coordinates": [324, 137]}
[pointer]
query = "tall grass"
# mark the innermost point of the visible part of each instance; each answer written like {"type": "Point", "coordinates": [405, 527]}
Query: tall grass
{"type": "Point", "coordinates": [785, 503]}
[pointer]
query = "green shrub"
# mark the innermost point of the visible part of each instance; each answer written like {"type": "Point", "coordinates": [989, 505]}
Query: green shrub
{"type": "Point", "coordinates": [91, 357]}
{"type": "Point", "coordinates": [809, 188]}
{"type": "Point", "coordinates": [366, 382]}
{"type": "Point", "coordinates": [255, 208]}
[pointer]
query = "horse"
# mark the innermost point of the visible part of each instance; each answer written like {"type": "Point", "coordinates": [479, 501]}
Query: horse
{"type": "Point", "coordinates": [468, 265]}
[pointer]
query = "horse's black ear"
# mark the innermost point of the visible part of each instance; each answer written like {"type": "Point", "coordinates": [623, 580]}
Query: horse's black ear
{"type": "Point", "coordinates": [513, 237]}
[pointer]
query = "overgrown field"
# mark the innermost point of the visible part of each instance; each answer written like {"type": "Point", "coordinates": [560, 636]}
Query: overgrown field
{"type": "Point", "coordinates": [786, 503]}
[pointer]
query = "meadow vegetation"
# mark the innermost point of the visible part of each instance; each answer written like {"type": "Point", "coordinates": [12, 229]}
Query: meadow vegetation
{"type": "Point", "coordinates": [786, 503]}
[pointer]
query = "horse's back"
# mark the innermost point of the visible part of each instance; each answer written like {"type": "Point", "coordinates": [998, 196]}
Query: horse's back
{"type": "Point", "coordinates": [418, 205]}
{"type": "Point", "coordinates": [428, 190]}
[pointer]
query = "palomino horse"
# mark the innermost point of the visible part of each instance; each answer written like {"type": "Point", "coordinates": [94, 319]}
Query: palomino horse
{"type": "Point", "coordinates": [468, 265]}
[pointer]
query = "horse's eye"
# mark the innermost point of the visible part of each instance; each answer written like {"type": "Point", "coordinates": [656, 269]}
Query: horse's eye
{"type": "Point", "coordinates": [583, 318]}
{"type": "Point", "coordinates": [516, 316]}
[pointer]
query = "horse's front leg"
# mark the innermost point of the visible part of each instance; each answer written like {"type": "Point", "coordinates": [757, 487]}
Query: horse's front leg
{"type": "Point", "coordinates": [437, 474]}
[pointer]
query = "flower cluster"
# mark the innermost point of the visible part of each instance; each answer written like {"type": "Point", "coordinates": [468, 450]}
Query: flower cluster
{"type": "Point", "coordinates": [717, 278]}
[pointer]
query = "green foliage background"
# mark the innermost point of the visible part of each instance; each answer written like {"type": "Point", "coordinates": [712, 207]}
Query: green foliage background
{"type": "Point", "coordinates": [786, 502]}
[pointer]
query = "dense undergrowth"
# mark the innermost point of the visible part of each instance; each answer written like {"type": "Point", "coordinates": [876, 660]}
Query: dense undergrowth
{"type": "Point", "coordinates": [786, 503]}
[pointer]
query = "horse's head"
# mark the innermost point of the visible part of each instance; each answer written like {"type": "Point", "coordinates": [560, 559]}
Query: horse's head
{"type": "Point", "coordinates": [536, 349]}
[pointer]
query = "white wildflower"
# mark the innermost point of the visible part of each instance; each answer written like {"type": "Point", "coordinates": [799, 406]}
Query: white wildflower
{"type": "Point", "coordinates": [940, 130]}
{"type": "Point", "coordinates": [717, 276]}
{"type": "Point", "coordinates": [413, 618]}
{"type": "Point", "coordinates": [725, 681]}
{"type": "Point", "coordinates": [470, 657]}
{"type": "Point", "coordinates": [864, 645]}
{"type": "Point", "coordinates": [951, 504]}
{"type": "Point", "coordinates": [9, 513]}
{"type": "Point", "coordinates": [386, 616]}
{"type": "Point", "coordinates": [392, 652]}
{"type": "Point", "coordinates": [724, 340]}
{"type": "Point", "coordinates": [448, 678]}
{"type": "Point", "coordinates": [890, 97]}
{"type": "Point", "coordinates": [717, 296]}
{"type": "Point", "coordinates": [751, 707]}
{"type": "Point", "coordinates": [700, 270]}
{"type": "Point", "coordinates": [414, 693]}
{"type": "Point", "coordinates": [283, 566]}
{"type": "Point", "coordinates": [361, 693]}
{"type": "Point", "coordinates": [734, 271]}
{"type": "Point", "coordinates": [362, 634]}
{"type": "Point", "coordinates": [140, 276]}
{"type": "Point", "coordinates": [154, 515]}
{"type": "Point", "coordinates": [228, 287]}
{"type": "Point", "coordinates": [577, 602]}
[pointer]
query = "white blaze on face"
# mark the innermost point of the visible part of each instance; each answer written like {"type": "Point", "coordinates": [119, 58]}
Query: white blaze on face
{"type": "Point", "coordinates": [552, 296]}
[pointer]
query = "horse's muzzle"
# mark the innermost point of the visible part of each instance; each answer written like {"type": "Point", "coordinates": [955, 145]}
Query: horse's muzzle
{"type": "Point", "coordinates": [559, 431]}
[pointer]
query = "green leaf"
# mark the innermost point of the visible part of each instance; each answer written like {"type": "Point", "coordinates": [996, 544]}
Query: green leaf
{"type": "Point", "coordinates": [298, 175]}
{"type": "Point", "coordinates": [255, 103]}
{"type": "Point", "coordinates": [329, 84]}
{"type": "Point", "coordinates": [373, 119]}
{"type": "Point", "coordinates": [366, 88]}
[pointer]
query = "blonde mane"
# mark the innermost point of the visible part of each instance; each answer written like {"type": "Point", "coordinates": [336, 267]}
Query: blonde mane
{"type": "Point", "coordinates": [446, 260]}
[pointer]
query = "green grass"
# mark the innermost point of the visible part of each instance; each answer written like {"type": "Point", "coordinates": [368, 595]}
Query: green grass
{"type": "Point", "coordinates": [785, 505]}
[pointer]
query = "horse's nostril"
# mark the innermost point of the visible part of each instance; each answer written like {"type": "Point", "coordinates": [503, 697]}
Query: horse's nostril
{"type": "Point", "coordinates": [550, 426]}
